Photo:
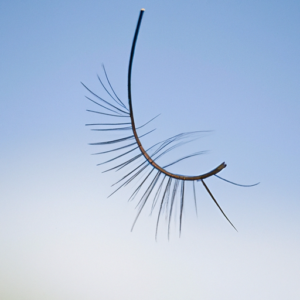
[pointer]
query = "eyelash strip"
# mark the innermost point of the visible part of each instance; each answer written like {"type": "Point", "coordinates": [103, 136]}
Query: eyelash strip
{"type": "Point", "coordinates": [164, 187]}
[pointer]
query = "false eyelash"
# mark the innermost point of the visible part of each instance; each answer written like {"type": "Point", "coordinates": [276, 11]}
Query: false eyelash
{"type": "Point", "coordinates": [163, 186]}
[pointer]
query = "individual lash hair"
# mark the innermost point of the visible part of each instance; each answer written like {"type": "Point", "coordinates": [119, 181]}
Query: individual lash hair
{"type": "Point", "coordinates": [167, 190]}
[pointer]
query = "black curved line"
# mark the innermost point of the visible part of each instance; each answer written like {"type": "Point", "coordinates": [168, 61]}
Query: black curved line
{"type": "Point", "coordinates": [211, 195]}
{"type": "Point", "coordinates": [107, 90]}
{"type": "Point", "coordinates": [123, 128]}
{"type": "Point", "coordinates": [145, 154]}
{"type": "Point", "coordinates": [195, 200]}
{"type": "Point", "coordinates": [102, 105]}
{"type": "Point", "coordinates": [243, 185]}
{"type": "Point", "coordinates": [101, 113]}
{"type": "Point", "coordinates": [107, 124]}
{"type": "Point", "coordinates": [125, 112]}
{"type": "Point", "coordinates": [112, 88]}
{"type": "Point", "coordinates": [112, 159]}
{"type": "Point", "coordinates": [183, 158]}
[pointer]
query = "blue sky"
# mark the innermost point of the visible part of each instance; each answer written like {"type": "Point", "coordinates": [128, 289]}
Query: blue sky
{"type": "Point", "coordinates": [231, 67]}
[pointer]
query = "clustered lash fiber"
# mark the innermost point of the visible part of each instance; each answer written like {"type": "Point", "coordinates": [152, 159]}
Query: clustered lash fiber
{"type": "Point", "coordinates": [165, 188]}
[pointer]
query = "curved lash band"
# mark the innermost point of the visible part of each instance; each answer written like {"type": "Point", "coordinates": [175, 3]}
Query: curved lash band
{"type": "Point", "coordinates": [166, 191]}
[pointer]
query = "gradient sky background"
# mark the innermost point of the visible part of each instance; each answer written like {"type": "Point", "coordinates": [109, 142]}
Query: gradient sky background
{"type": "Point", "coordinates": [228, 66]}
